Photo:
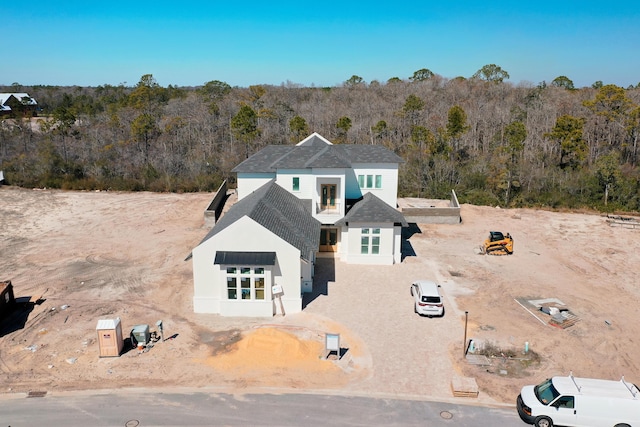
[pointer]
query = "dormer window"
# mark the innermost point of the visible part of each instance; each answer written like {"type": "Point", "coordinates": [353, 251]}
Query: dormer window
{"type": "Point", "coordinates": [296, 184]}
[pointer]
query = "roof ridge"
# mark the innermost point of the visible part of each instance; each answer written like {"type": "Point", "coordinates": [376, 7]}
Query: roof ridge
{"type": "Point", "coordinates": [270, 202]}
{"type": "Point", "coordinates": [361, 211]}
{"type": "Point", "coordinates": [341, 152]}
{"type": "Point", "coordinates": [285, 154]}
{"type": "Point", "coordinates": [316, 156]}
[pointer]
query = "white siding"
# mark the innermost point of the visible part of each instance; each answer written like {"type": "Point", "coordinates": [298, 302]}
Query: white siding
{"type": "Point", "coordinates": [307, 275]}
{"type": "Point", "coordinates": [390, 248]}
{"type": "Point", "coordinates": [389, 191]}
{"type": "Point", "coordinates": [248, 183]}
{"type": "Point", "coordinates": [310, 188]}
{"type": "Point", "coordinates": [284, 179]}
{"type": "Point", "coordinates": [245, 235]}
{"type": "Point", "coordinates": [328, 176]}
{"type": "Point", "coordinates": [397, 244]}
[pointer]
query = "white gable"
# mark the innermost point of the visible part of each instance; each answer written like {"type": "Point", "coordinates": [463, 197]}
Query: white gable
{"type": "Point", "coordinates": [312, 136]}
{"type": "Point", "coordinates": [246, 235]}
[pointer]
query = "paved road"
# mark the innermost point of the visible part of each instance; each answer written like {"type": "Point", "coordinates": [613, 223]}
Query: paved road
{"type": "Point", "coordinates": [143, 408]}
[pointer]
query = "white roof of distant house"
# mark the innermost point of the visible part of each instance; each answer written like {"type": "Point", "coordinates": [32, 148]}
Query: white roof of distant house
{"type": "Point", "coordinates": [4, 97]}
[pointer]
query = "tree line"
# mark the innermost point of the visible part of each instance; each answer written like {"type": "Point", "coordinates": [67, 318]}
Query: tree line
{"type": "Point", "coordinates": [496, 143]}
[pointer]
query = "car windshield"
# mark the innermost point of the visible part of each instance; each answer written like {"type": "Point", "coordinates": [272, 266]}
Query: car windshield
{"type": "Point", "coordinates": [546, 392]}
{"type": "Point", "coordinates": [432, 300]}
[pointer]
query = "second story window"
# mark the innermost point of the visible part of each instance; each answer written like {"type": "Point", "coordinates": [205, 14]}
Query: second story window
{"type": "Point", "coordinates": [296, 184]}
{"type": "Point", "coordinates": [370, 181]}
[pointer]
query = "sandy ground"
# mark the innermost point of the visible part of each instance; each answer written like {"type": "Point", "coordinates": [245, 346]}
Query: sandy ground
{"type": "Point", "coordinates": [97, 255]}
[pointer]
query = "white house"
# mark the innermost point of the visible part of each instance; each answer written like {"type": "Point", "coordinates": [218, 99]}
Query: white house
{"type": "Point", "coordinates": [340, 200]}
{"type": "Point", "coordinates": [331, 180]}
{"type": "Point", "coordinates": [266, 239]}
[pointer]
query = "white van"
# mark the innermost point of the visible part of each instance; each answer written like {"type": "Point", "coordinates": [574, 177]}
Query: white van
{"type": "Point", "coordinates": [570, 401]}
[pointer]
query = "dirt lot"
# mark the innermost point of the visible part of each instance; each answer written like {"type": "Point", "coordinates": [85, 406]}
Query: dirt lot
{"type": "Point", "coordinates": [80, 257]}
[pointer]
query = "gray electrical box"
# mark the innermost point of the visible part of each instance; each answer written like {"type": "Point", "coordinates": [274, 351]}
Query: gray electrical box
{"type": "Point", "coordinates": [140, 335]}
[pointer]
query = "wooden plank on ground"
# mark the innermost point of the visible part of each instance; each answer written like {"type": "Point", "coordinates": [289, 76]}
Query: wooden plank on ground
{"type": "Point", "coordinates": [570, 319]}
{"type": "Point", "coordinates": [478, 359]}
{"type": "Point", "coordinates": [464, 387]}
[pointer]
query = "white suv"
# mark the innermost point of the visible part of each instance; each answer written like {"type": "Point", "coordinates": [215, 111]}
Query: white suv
{"type": "Point", "coordinates": [427, 298]}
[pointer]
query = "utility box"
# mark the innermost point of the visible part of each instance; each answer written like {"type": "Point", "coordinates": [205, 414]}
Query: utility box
{"type": "Point", "coordinates": [110, 337]}
{"type": "Point", "coordinates": [140, 335]}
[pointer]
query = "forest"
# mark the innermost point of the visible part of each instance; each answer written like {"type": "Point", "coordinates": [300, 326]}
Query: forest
{"type": "Point", "coordinates": [545, 145]}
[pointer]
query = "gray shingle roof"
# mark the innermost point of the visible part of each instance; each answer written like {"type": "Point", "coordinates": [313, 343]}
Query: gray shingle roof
{"type": "Point", "coordinates": [280, 212]}
{"type": "Point", "coordinates": [263, 160]}
{"type": "Point", "coordinates": [306, 157]}
{"type": "Point", "coordinates": [315, 153]}
{"type": "Point", "coordinates": [372, 209]}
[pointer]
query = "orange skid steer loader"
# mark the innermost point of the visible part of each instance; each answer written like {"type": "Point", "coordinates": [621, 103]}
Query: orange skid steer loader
{"type": "Point", "coordinates": [497, 244]}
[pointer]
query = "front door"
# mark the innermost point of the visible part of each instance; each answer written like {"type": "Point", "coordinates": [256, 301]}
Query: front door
{"type": "Point", "coordinates": [565, 411]}
{"type": "Point", "coordinates": [328, 197]}
{"type": "Point", "coordinates": [328, 240]}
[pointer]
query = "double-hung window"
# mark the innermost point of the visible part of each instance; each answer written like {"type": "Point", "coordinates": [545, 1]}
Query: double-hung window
{"type": "Point", "coordinates": [370, 241]}
{"type": "Point", "coordinates": [245, 282]}
{"type": "Point", "coordinates": [232, 283]}
{"type": "Point", "coordinates": [258, 283]}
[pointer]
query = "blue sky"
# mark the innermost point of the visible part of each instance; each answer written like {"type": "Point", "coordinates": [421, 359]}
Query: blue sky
{"type": "Point", "coordinates": [316, 43]}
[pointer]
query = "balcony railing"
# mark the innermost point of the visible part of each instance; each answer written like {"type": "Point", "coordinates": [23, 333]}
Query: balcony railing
{"type": "Point", "coordinates": [331, 209]}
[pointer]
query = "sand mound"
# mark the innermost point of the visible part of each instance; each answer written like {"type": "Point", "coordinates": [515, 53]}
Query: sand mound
{"type": "Point", "coordinates": [272, 349]}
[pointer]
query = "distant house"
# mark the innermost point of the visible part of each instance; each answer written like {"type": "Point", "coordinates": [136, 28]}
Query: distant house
{"type": "Point", "coordinates": [296, 203]}
{"type": "Point", "coordinates": [17, 104]}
